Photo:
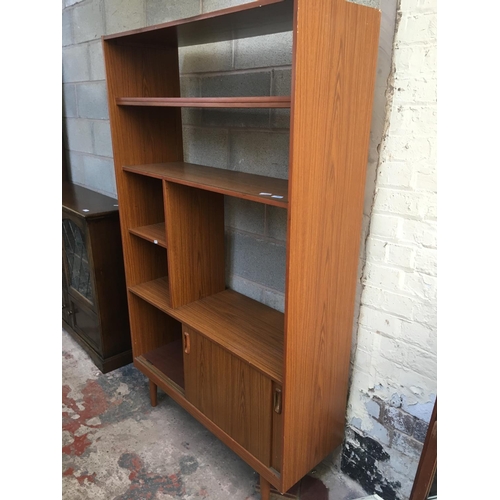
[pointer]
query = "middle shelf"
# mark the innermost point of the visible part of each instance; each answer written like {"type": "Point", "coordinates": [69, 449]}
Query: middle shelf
{"type": "Point", "coordinates": [259, 188]}
{"type": "Point", "coordinates": [248, 329]}
{"type": "Point", "coordinates": [207, 102]}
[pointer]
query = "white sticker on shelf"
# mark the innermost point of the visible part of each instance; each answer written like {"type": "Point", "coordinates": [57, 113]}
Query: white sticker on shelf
{"type": "Point", "coordinates": [85, 210]}
{"type": "Point", "coordinates": [276, 196]}
{"type": "Point", "coordinates": [115, 205]}
{"type": "Point", "coordinates": [155, 242]}
{"type": "Point", "coordinates": [265, 194]}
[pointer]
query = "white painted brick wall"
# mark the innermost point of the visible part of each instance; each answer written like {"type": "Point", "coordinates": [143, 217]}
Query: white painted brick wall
{"type": "Point", "coordinates": [395, 357]}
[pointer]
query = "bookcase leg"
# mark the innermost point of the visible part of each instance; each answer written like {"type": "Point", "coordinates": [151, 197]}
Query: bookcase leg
{"type": "Point", "coordinates": [265, 489]}
{"type": "Point", "coordinates": [153, 391]}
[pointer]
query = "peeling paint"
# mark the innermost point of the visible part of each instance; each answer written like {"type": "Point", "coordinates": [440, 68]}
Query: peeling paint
{"type": "Point", "coordinates": [360, 460]}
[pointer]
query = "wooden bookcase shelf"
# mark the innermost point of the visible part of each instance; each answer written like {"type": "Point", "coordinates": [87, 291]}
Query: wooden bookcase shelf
{"type": "Point", "coordinates": [155, 233]}
{"type": "Point", "coordinates": [251, 331]}
{"type": "Point", "coordinates": [272, 386]}
{"type": "Point", "coordinates": [206, 102]}
{"type": "Point", "coordinates": [259, 188]}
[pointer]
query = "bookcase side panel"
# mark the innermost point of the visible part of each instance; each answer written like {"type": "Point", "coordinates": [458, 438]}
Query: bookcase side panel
{"type": "Point", "coordinates": [331, 114]}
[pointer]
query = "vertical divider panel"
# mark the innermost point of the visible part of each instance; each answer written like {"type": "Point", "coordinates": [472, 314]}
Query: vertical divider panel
{"type": "Point", "coordinates": [194, 221]}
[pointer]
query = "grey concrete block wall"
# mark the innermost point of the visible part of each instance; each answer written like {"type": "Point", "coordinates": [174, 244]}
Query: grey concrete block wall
{"type": "Point", "coordinates": [206, 146]}
{"type": "Point", "coordinates": [96, 61]}
{"type": "Point", "coordinates": [79, 135]}
{"type": "Point", "coordinates": [162, 11]}
{"type": "Point", "coordinates": [75, 63]}
{"type": "Point", "coordinates": [237, 85]}
{"type": "Point", "coordinates": [88, 21]}
{"type": "Point", "coordinates": [92, 100]}
{"type": "Point", "coordinates": [204, 58]}
{"type": "Point", "coordinates": [67, 28]}
{"type": "Point", "coordinates": [69, 100]}
{"type": "Point", "coordinates": [244, 215]}
{"type": "Point", "coordinates": [260, 152]}
{"type": "Point", "coordinates": [123, 15]}
{"type": "Point", "coordinates": [281, 85]}
{"type": "Point", "coordinates": [99, 173]}
{"type": "Point", "coordinates": [101, 138]}
{"type": "Point", "coordinates": [276, 221]}
{"type": "Point", "coordinates": [247, 140]}
{"type": "Point", "coordinates": [263, 51]}
{"type": "Point", "coordinates": [210, 5]}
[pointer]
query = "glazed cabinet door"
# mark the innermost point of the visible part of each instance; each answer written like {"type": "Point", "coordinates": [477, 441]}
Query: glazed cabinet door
{"type": "Point", "coordinates": [233, 395]}
{"type": "Point", "coordinates": [75, 253]}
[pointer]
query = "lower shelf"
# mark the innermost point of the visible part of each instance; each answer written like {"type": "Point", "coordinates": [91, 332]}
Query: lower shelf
{"type": "Point", "coordinates": [248, 329]}
{"type": "Point", "coordinates": [169, 360]}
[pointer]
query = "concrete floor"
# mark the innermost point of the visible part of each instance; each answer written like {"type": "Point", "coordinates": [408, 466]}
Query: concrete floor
{"type": "Point", "coordinates": [116, 446]}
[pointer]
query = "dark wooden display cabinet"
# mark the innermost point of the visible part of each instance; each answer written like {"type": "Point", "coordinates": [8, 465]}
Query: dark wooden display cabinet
{"type": "Point", "coordinates": [94, 299]}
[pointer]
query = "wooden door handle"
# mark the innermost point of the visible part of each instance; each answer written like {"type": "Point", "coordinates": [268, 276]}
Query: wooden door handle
{"type": "Point", "coordinates": [187, 343]}
{"type": "Point", "coordinates": [277, 400]}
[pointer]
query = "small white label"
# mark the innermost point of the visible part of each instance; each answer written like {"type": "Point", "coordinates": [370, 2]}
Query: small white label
{"type": "Point", "coordinates": [85, 210]}
{"type": "Point", "coordinates": [115, 205]}
{"type": "Point", "coordinates": [155, 242]}
{"type": "Point", "coordinates": [265, 194]}
{"type": "Point", "coordinates": [276, 196]}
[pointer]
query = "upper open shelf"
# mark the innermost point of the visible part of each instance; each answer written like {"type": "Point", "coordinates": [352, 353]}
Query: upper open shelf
{"type": "Point", "coordinates": [259, 188]}
{"type": "Point", "coordinates": [258, 18]}
{"type": "Point", "coordinates": [206, 102]}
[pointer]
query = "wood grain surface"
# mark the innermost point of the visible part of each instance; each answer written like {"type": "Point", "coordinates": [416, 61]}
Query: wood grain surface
{"type": "Point", "coordinates": [195, 241]}
{"type": "Point", "coordinates": [206, 102]}
{"type": "Point", "coordinates": [85, 202]}
{"type": "Point", "coordinates": [241, 408]}
{"type": "Point", "coordinates": [252, 187]}
{"type": "Point", "coordinates": [155, 233]}
{"type": "Point", "coordinates": [330, 125]}
{"type": "Point", "coordinates": [250, 330]}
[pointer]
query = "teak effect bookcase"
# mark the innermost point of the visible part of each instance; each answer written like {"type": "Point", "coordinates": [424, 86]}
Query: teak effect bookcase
{"type": "Point", "coordinates": [271, 386]}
